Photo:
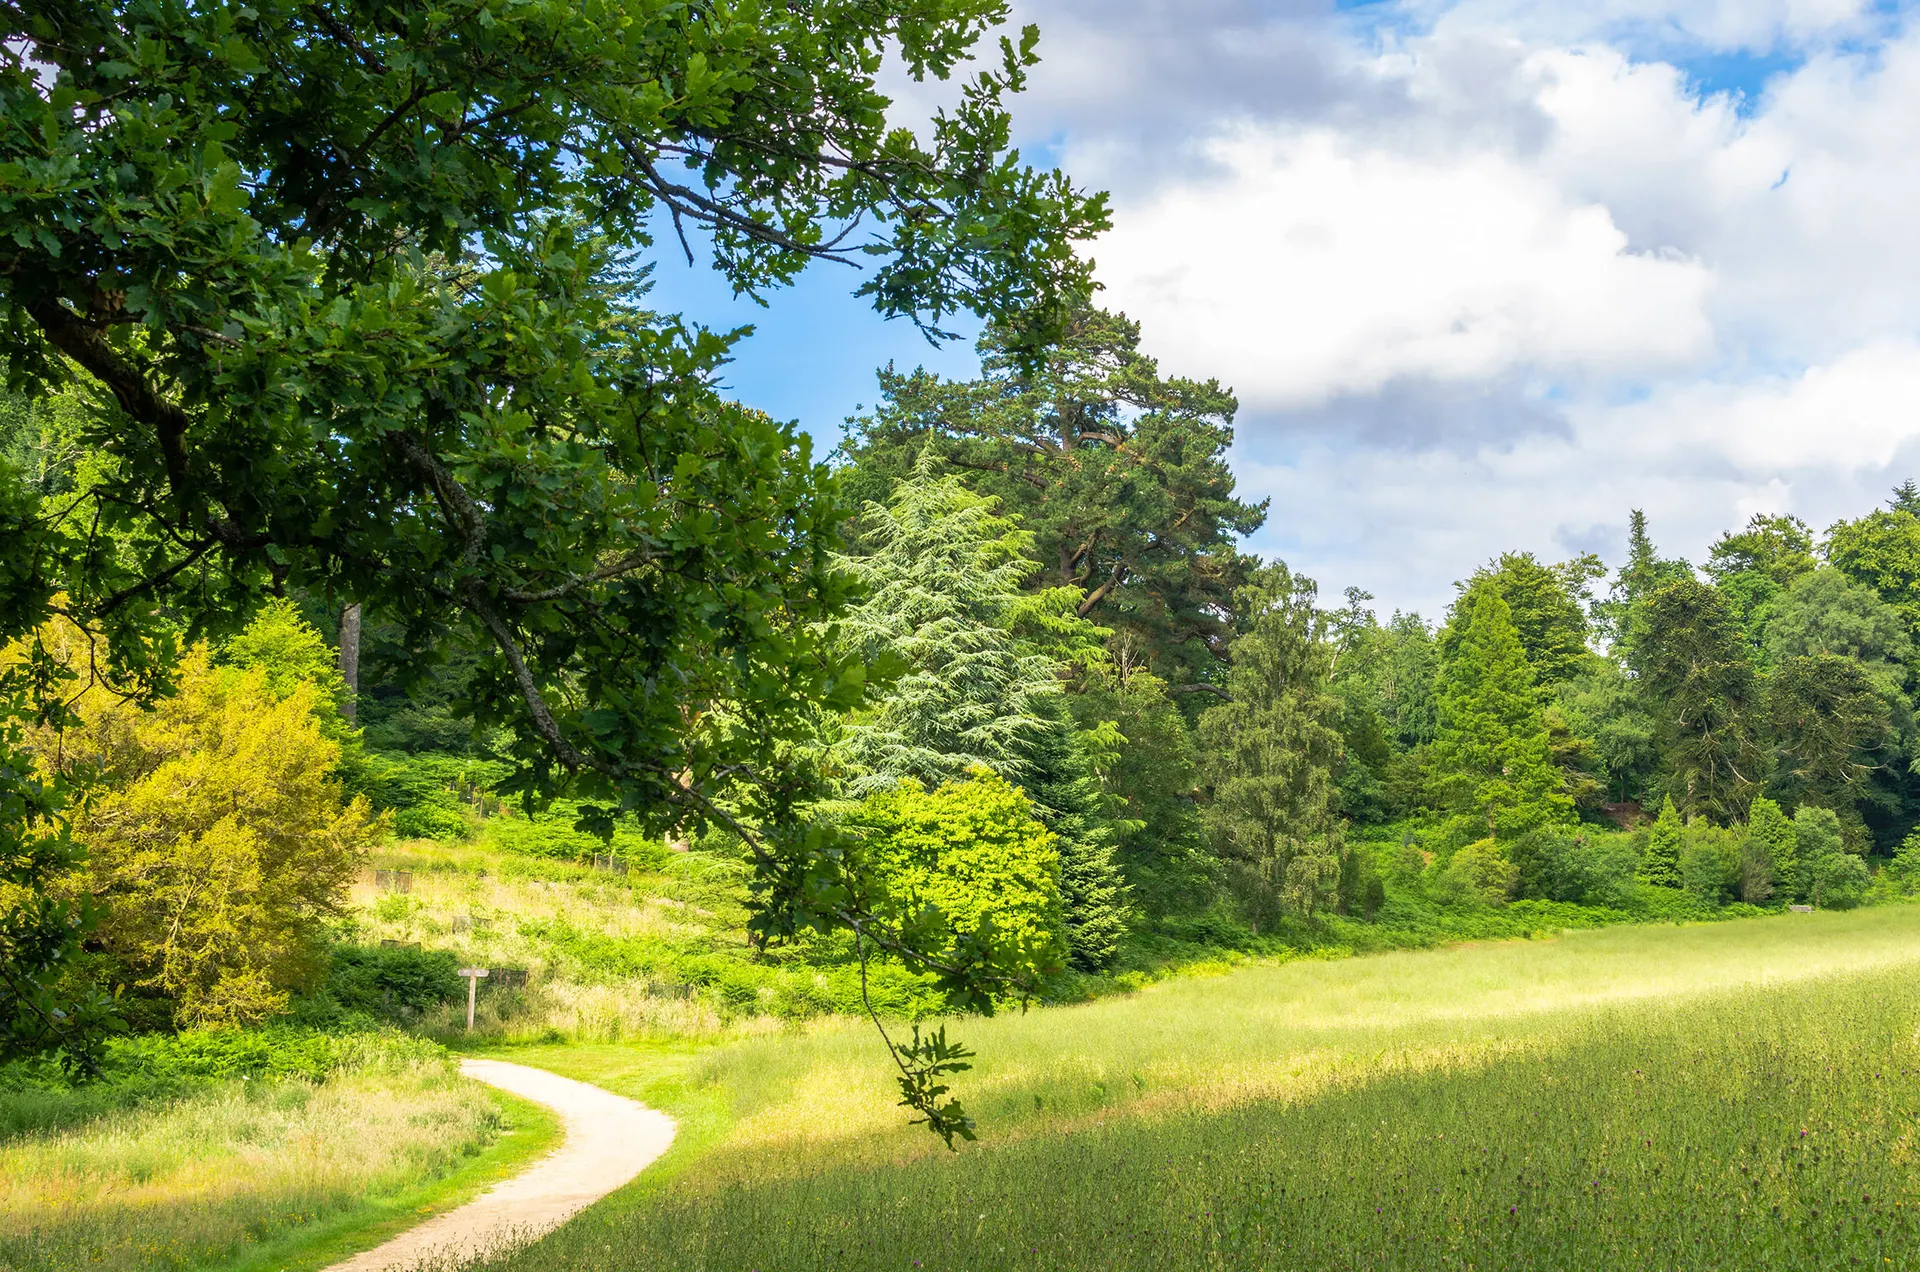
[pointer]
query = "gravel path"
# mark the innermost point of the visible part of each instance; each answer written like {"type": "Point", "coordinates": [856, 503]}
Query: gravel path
{"type": "Point", "coordinates": [609, 1140]}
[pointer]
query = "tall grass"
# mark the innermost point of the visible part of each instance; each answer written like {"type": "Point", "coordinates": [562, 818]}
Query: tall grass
{"type": "Point", "coordinates": [192, 1181]}
{"type": "Point", "coordinates": [1739, 1095]}
{"type": "Point", "coordinates": [659, 952]}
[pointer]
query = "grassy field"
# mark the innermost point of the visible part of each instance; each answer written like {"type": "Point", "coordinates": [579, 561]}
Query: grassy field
{"type": "Point", "coordinates": [250, 1175]}
{"type": "Point", "coordinates": [1737, 1094]}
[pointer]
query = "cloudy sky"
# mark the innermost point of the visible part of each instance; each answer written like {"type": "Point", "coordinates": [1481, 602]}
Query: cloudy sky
{"type": "Point", "coordinates": [1485, 275]}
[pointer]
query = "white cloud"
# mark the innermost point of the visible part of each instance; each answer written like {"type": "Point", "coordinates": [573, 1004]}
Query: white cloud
{"type": "Point", "coordinates": [1489, 273]}
{"type": "Point", "coordinates": [1317, 267]}
{"type": "Point", "coordinates": [1853, 415]}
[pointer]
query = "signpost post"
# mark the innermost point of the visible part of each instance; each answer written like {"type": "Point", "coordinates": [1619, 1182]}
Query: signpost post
{"type": "Point", "coordinates": [473, 975]}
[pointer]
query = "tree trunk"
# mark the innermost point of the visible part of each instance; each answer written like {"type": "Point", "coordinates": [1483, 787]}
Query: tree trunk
{"type": "Point", "coordinates": [350, 658]}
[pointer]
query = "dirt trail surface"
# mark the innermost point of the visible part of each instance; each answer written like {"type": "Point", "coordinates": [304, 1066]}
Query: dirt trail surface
{"type": "Point", "coordinates": [609, 1140]}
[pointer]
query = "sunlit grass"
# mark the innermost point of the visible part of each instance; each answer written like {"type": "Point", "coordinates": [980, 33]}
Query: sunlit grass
{"type": "Point", "coordinates": [194, 1181]}
{"type": "Point", "coordinates": [1635, 1095]}
{"type": "Point", "coordinates": [486, 907]}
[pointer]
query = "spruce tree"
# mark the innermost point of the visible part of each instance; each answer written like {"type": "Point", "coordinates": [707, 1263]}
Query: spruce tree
{"type": "Point", "coordinates": [1068, 800]}
{"type": "Point", "coordinates": [1643, 574]}
{"type": "Point", "coordinates": [1492, 760]}
{"type": "Point", "coordinates": [1661, 864]}
{"type": "Point", "coordinates": [1906, 497]}
{"type": "Point", "coordinates": [1772, 849]}
{"type": "Point", "coordinates": [1267, 755]}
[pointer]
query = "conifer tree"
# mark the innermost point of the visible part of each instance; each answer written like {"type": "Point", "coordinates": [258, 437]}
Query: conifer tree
{"type": "Point", "coordinates": [1906, 497]}
{"type": "Point", "coordinates": [1492, 760]}
{"type": "Point", "coordinates": [944, 600]}
{"type": "Point", "coordinates": [1268, 754]}
{"type": "Point", "coordinates": [982, 686]}
{"type": "Point", "coordinates": [1771, 845]}
{"type": "Point", "coordinates": [1068, 800]}
{"type": "Point", "coordinates": [1661, 864]}
{"type": "Point", "coordinates": [1697, 675]}
{"type": "Point", "coordinates": [1643, 574]}
{"type": "Point", "coordinates": [1120, 472]}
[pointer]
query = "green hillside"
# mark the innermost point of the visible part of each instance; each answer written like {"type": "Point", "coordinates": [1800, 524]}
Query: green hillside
{"type": "Point", "coordinates": [1741, 1095]}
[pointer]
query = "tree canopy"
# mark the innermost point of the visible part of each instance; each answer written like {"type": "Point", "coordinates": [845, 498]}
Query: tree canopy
{"type": "Point", "coordinates": [1267, 755]}
{"type": "Point", "coordinates": [354, 298]}
{"type": "Point", "coordinates": [355, 295]}
{"type": "Point", "coordinates": [1120, 474]}
{"type": "Point", "coordinates": [1492, 761]}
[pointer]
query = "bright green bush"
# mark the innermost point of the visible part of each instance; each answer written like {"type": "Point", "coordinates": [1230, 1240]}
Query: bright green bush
{"type": "Point", "coordinates": [1710, 862]}
{"type": "Point", "coordinates": [1830, 876]}
{"type": "Point", "coordinates": [974, 852]}
{"type": "Point", "coordinates": [1481, 871]}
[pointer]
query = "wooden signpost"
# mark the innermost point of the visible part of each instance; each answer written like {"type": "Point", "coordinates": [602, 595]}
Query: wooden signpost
{"type": "Point", "coordinates": [473, 975]}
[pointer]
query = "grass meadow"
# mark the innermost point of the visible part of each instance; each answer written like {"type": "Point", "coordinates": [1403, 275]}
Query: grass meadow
{"type": "Point", "coordinates": [279, 1174]}
{"type": "Point", "coordinates": [1739, 1094]}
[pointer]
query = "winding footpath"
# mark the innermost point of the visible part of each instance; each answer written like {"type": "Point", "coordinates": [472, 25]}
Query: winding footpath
{"type": "Point", "coordinates": [609, 1140]}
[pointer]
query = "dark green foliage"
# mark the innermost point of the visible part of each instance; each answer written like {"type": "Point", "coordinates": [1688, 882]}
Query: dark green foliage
{"type": "Point", "coordinates": [1267, 755]}
{"type": "Point", "coordinates": [386, 983]}
{"type": "Point", "coordinates": [1579, 866]}
{"type": "Point", "coordinates": [1660, 862]}
{"type": "Point", "coordinates": [1603, 706]}
{"type": "Point", "coordinates": [1384, 679]}
{"type": "Point", "coordinates": [1710, 862]}
{"type": "Point", "coordinates": [1068, 801]}
{"type": "Point", "coordinates": [1700, 686]}
{"type": "Point", "coordinates": [1149, 782]}
{"type": "Point", "coordinates": [1827, 719]}
{"type": "Point", "coordinates": [1754, 567]}
{"type": "Point", "coordinates": [1120, 475]}
{"type": "Point", "coordinates": [1644, 573]}
{"type": "Point", "coordinates": [1904, 869]}
{"type": "Point", "coordinates": [1491, 763]}
{"type": "Point", "coordinates": [1773, 849]}
{"type": "Point", "coordinates": [1777, 547]}
{"type": "Point", "coordinates": [1825, 612]}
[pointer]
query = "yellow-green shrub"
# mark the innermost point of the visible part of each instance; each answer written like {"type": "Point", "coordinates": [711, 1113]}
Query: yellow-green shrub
{"type": "Point", "coordinates": [219, 842]}
{"type": "Point", "coordinates": [974, 851]}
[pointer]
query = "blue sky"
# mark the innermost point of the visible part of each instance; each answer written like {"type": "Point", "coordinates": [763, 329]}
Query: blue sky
{"type": "Point", "coordinates": [1485, 274]}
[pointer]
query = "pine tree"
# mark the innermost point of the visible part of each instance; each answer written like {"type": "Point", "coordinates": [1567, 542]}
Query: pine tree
{"type": "Point", "coordinates": [1661, 864]}
{"type": "Point", "coordinates": [1492, 759]}
{"type": "Point", "coordinates": [1268, 754]}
